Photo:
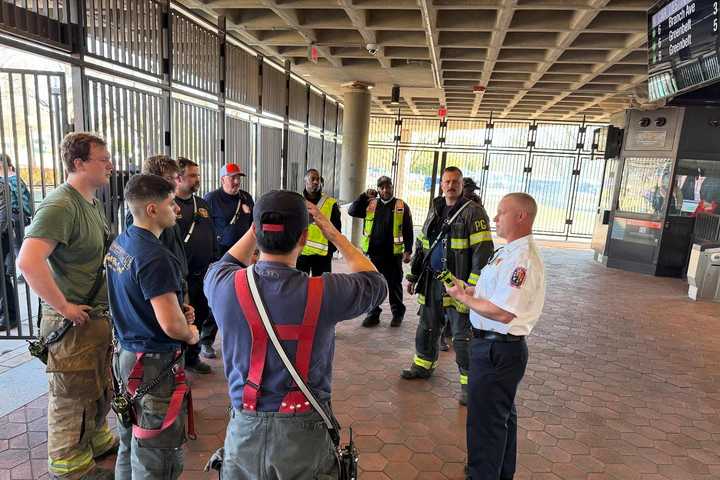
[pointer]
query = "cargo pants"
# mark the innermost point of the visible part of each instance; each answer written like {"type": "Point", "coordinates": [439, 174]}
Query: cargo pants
{"type": "Point", "coordinates": [160, 457]}
{"type": "Point", "coordinates": [433, 316]}
{"type": "Point", "coordinates": [79, 393]}
{"type": "Point", "coordinates": [278, 446]}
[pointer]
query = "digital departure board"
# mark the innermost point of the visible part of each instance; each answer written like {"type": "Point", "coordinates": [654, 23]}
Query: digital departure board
{"type": "Point", "coordinates": [684, 46]}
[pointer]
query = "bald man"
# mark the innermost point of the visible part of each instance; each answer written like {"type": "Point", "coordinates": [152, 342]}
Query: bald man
{"type": "Point", "coordinates": [504, 307]}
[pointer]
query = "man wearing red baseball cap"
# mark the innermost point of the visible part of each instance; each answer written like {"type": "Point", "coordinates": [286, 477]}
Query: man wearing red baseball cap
{"type": "Point", "coordinates": [230, 207]}
{"type": "Point", "coordinates": [231, 211]}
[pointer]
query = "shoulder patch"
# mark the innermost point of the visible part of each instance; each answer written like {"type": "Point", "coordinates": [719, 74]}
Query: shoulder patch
{"type": "Point", "coordinates": [518, 277]}
{"type": "Point", "coordinates": [203, 212]}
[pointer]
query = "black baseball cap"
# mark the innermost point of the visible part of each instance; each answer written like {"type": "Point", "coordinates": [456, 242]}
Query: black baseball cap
{"type": "Point", "coordinates": [470, 183]}
{"type": "Point", "coordinates": [280, 211]}
{"type": "Point", "coordinates": [384, 180]}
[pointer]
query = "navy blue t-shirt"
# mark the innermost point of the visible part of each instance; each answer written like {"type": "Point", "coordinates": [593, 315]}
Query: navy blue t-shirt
{"type": "Point", "coordinates": [284, 293]}
{"type": "Point", "coordinates": [139, 268]}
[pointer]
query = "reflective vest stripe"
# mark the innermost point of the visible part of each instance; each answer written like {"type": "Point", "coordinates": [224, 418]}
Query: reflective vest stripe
{"type": "Point", "coordinates": [473, 278]}
{"type": "Point", "coordinates": [316, 243]}
{"type": "Point", "coordinates": [398, 214]}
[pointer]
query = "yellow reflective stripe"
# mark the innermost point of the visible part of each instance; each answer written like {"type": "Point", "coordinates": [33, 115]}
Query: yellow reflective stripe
{"type": "Point", "coordinates": [102, 441]}
{"type": "Point", "coordinates": [459, 243]}
{"type": "Point", "coordinates": [479, 237]}
{"type": "Point", "coordinates": [78, 462]}
{"type": "Point", "coordinates": [423, 240]}
{"type": "Point", "coordinates": [473, 279]}
{"type": "Point", "coordinates": [421, 299]}
{"type": "Point", "coordinates": [463, 379]}
{"type": "Point", "coordinates": [426, 364]}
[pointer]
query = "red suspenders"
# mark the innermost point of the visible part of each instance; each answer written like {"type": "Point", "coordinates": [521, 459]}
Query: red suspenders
{"type": "Point", "coordinates": [294, 401]}
{"type": "Point", "coordinates": [181, 389]}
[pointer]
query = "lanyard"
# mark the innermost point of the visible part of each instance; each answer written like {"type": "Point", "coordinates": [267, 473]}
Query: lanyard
{"type": "Point", "coordinates": [192, 226]}
{"type": "Point", "coordinates": [237, 209]}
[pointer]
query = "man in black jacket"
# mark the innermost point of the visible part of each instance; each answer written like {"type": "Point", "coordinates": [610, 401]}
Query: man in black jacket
{"type": "Point", "coordinates": [316, 257]}
{"type": "Point", "coordinates": [198, 234]}
{"type": "Point", "coordinates": [387, 239]}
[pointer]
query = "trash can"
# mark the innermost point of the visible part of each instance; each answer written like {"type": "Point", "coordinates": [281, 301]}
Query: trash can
{"type": "Point", "coordinates": [704, 272]}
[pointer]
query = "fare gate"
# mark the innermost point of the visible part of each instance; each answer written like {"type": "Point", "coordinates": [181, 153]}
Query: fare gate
{"type": "Point", "coordinates": [33, 121]}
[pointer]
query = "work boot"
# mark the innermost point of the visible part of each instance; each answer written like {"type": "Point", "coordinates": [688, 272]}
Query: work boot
{"type": "Point", "coordinates": [98, 473]}
{"type": "Point", "coordinates": [198, 366]}
{"type": "Point", "coordinates": [416, 372]}
{"type": "Point", "coordinates": [371, 321]}
{"type": "Point", "coordinates": [444, 344]}
{"type": "Point", "coordinates": [396, 320]}
{"type": "Point", "coordinates": [463, 395]}
{"type": "Point", "coordinates": [207, 351]}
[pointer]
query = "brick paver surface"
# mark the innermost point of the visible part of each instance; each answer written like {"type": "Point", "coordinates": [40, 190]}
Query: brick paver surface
{"type": "Point", "coordinates": [622, 384]}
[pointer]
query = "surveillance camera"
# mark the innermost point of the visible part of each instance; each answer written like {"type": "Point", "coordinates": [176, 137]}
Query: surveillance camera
{"type": "Point", "coordinates": [372, 48]}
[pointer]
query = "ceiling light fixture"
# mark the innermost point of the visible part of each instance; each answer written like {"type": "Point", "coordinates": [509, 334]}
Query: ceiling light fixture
{"type": "Point", "coordinates": [395, 95]}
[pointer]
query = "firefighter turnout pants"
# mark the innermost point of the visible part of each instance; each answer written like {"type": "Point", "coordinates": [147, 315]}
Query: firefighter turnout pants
{"type": "Point", "coordinates": [160, 457]}
{"type": "Point", "coordinates": [436, 308]}
{"type": "Point", "coordinates": [79, 393]}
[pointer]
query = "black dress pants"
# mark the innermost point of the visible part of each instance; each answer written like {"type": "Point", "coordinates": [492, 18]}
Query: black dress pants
{"type": "Point", "coordinates": [204, 320]}
{"type": "Point", "coordinates": [496, 369]}
{"type": "Point", "coordinates": [314, 265]}
{"type": "Point", "coordinates": [391, 268]}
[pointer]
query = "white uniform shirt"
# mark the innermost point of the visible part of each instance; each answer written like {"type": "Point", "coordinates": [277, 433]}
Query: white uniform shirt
{"type": "Point", "coordinates": [514, 280]}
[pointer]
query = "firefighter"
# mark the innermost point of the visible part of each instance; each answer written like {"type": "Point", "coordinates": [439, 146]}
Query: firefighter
{"type": "Point", "coordinates": [62, 261]}
{"type": "Point", "coordinates": [387, 239]}
{"type": "Point", "coordinates": [316, 256]}
{"type": "Point", "coordinates": [151, 325]}
{"type": "Point", "coordinates": [455, 238]}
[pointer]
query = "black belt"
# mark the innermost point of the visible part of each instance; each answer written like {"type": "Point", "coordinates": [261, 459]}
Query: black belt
{"type": "Point", "coordinates": [497, 337]}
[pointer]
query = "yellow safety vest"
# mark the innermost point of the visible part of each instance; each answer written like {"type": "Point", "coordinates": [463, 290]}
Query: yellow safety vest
{"type": "Point", "coordinates": [316, 243]}
{"type": "Point", "coordinates": [398, 214]}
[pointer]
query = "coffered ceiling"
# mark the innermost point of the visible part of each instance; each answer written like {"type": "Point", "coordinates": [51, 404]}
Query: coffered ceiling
{"type": "Point", "coordinates": [543, 59]}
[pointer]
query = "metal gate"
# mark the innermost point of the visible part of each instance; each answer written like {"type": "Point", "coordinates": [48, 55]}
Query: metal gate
{"type": "Point", "coordinates": [33, 121]}
{"type": "Point", "coordinates": [560, 164]}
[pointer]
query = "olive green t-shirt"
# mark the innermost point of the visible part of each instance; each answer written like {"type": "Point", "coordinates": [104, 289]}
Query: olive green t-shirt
{"type": "Point", "coordinates": [79, 228]}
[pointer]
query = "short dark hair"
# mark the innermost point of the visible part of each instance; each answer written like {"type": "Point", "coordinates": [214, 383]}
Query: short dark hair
{"type": "Point", "coordinates": [5, 159]}
{"type": "Point", "coordinates": [144, 188]}
{"type": "Point", "coordinates": [183, 163]}
{"type": "Point", "coordinates": [160, 165]}
{"type": "Point", "coordinates": [277, 243]}
{"type": "Point", "coordinates": [77, 145]}
{"type": "Point", "coordinates": [452, 169]}
{"type": "Point", "coordinates": [310, 170]}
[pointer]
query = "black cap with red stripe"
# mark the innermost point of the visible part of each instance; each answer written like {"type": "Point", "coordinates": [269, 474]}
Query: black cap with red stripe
{"type": "Point", "coordinates": [280, 211]}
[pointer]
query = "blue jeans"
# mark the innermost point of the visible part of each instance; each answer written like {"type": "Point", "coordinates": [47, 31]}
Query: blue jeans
{"type": "Point", "coordinates": [278, 446]}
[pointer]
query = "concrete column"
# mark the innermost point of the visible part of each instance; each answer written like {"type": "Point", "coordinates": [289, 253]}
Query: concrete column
{"type": "Point", "coordinates": [353, 167]}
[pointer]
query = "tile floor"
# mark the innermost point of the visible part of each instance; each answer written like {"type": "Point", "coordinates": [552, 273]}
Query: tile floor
{"type": "Point", "coordinates": [622, 384]}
